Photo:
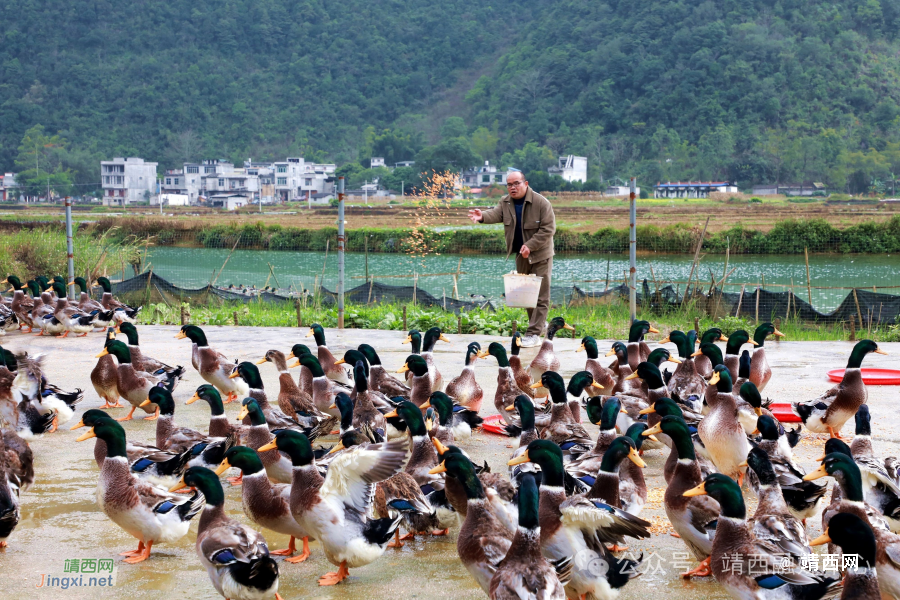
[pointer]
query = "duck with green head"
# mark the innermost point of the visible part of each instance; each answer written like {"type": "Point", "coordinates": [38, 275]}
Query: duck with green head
{"type": "Point", "coordinates": [663, 408]}
{"type": "Point", "coordinates": [624, 385]}
{"type": "Point", "coordinates": [736, 340]}
{"type": "Point", "coordinates": [429, 339]}
{"type": "Point", "coordinates": [324, 389]}
{"type": "Point", "coordinates": [686, 385]}
{"type": "Point", "coordinates": [418, 377]}
{"type": "Point", "coordinates": [607, 483]}
{"type": "Point", "coordinates": [335, 509]}
{"type": "Point", "coordinates": [829, 412]}
{"type": "Point", "coordinates": [455, 422]}
{"type": "Point", "coordinates": [329, 364]}
{"type": "Point", "coordinates": [638, 351]}
{"type": "Point", "coordinates": [581, 526]}
{"type": "Point", "coordinates": [760, 371]}
{"type": "Point", "coordinates": [856, 538]}
{"type": "Point", "coordinates": [212, 365]}
{"type": "Point", "coordinates": [365, 415]}
{"type": "Point", "coordinates": [604, 377]}
{"type": "Point", "coordinates": [464, 388]}
{"type": "Point", "coordinates": [219, 424]}
{"type": "Point", "coordinates": [104, 375]}
{"type": "Point", "coordinates": [379, 378]}
{"type": "Point", "coordinates": [134, 385]}
{"type": "Point", "coordinates": [632, 485]}
{"type": "Point", "coordinates": [236, 557]}
{"type": "Point", "coordinates": [880, 489]}
{"type": "Point", "coordinates": [257, 436]}
{"type": "Point", "coordinates": [143, 510]}
{"type": "Point", "coordinates": [546, 359]}
{"type": "Point", "coordinates": [713, 356]}
{"type": "Point", "coordinates": [422, 454]}
{"type": "Point", "coordinates": [653, 387]}
{"type": "Point", "coordinates": [581, 384]}
{"type": "Point", "coordinates": [304, 380]}
{"type": "Point", "coordinates": [721, 431]}
{"type": "Point", "coordinates": [526, 432]}
{"type": "Point", "coordinates": [22, 304]}
{"type": "Point", "coordinates": [85, 302]}
{"type": "Point", "coordinates": [604, 414]}
{"type": "Point", "coordinates": [293, 402]}
{"type": "Point", "coordinates": [520, 373]}
{"type": "Point", "coordinates": [735, 548]}
{"type": "Point", "coordinates": [312, 425]}
{"type": "Point", "coordinates": [702, 361]}
{"type": "Point", "coordinates": [507, 389]}
{"type": "Point", "coordinates": [563, 429]}
{"type": "Point", "coordinates": [146, 363]}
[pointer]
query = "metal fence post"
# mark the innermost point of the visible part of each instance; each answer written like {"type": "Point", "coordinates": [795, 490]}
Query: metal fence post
{"type": "Point", "coordinates": [70, 250]}
{"type": "Point", "coordinates": [632, 251]}
{"type": "Point", "coordinates": [340, 240]}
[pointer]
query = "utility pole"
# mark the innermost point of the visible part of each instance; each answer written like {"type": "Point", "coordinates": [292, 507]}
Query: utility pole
{"type": "Point", "coordinates": [70, 249]}
{"type": "Point", "coordinates": [340, 241]}
{"type": "Point", "coordinates": [366, 190]}
{"type": "Point", "coordinates": [632, 250]}
{"type": "Point", "coordinates": [401, 189]}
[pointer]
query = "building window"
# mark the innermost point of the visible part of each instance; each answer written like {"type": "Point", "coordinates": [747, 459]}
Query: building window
{"type": "Point", "coordinates": [282, 181]}
{"type": "Point", "coordinates": [221, 183]}
{"type": "Point", "coordinates": [210, 170]}
{"type": "Point", "coordinates": [193, 169]}
{"type": "Point", "coordinates": [282, 168]}
{"type": "Point", "coordinates": [176, 181]}
{"type": "Point", "coordinates": [308, 181]}
{"type": "Point", "coordinates": [485, 179]}
{"type": "Point", "coordinates": [168, 181]}
{"type": "Point", "coordinates": [106, 179]}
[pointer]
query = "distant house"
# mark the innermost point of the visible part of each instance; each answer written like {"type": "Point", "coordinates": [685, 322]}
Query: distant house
{"type": "Point", "coordinates": [809, 188]}
{"type": "Point", "coordinates": [484, 176]}
{"type": "Point", "coordinates": [376, 161]}
{"type": "Point", "coordinates": [174, 199]}
{"type": "Point", "coordinates": [228, 201]}
{"type": "Point", "coordinates": [405, 163]}
{"type": "Point", "coordinates": [570, 168]}
{"type": "Point", "coordinates": [8, 185]}
{"type": "Point", "coordinates": [692, 189]}
{"type": "Point", "coordinates": [127, 180]}
{"type": "Point", "coordinates": [621, 190]}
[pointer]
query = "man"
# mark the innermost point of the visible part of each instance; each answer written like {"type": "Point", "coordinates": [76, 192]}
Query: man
{"type": "Point", "coordinates": [529, 225]}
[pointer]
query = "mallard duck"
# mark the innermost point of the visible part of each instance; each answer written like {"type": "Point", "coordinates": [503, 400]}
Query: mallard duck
{"type": "Point", "coordinates": [146, 363]}
{"type": "Point", "coordinates": [735, 548]}
{"type": "Point", "coordinates": [213, 366]}
{"type": "Point", "coordinates": [104, 376]}
{"type": "Point", "coordinates": [304, 380]}
{"type": "Point", "coordinates": [379, 379]}
{"type": "Point", "coordinates": [332, 370]}
{"type": "Point", "coordinates": [526, 433]}
{"type": "Point", "coordinates": [546, 359]}
{"type": "Point", "coordinates": [524, 566]}
{"type": "Point", "coordinates": [760, 371]}
{"type": "Point", "coordinates": [30, 386]}
{"type": "Point", "coordinates": [365, 415]}
{"type": "Point", "coordinates": [713, 356]}
{"type": "Point", "coordinates": [18, 411]}
{"type": "Point", "coordinates": [666, 407]}
{"type": "Point", "coordinates": [751, 406]}
{"type": "Point", "coordinates": [21, 307]}
{"type": "Point", "coordinates": [17, 458]}
{"type": "Point", "coordinates": [134, 385]}
{"type": "Point", "coordinates": [856, 538]}
{"type": "Point", "coordinates": [345, 405]}
{"type": "Point", "coordinates": [721, 431]}
{"type": "Point", "coordinates": [464, 388]}
{"type": "Point", "coordinates": [686, 384]}
{"type": "Point", "coordinates": [603, 414]}
{"type": "Point", "coordinates": [624, 385]}
{"type": "Point", "coordinates": [581, 526]}
{"type": "Point", "coordinates": [580, 384]}
{"type": "Point", "coordinates": [266, 504]}
{"type": "Point", "coordinates": [422, 455]}
{"type": "Point", "coordinates": [830, 411]}
{"type": "Point", "coordinates": [703, 364]}
{"type": "Point", "coordinates": [522, 376]}
{"type": "Point", "coordinates": [604, 377]}
{"type": "Point", "coordinates": [324, 389]}
{"type": "Point", "coordinates": [737, 339]}
{"type": "Point", "coordinates": [457, 419]}
{"type": "Point", "coordinates": [429, 339]}
{"type": "Point", "coordinates": [236, 557]}
{"type": "Point", "coordinates": [291, 399]}
{"type": "Point", "coordinates": [638, 350]}
{"type": "Point", "coordinates": [650, 375]}
{"type": "Point", "coordinates": [333, 510]}
{"type": "Point", "coordinates": [143, 510]}
{"type": "Point", "coordinates": [420, 384]}
{"type": "Point", "coordinates": [562, 429]}
{"type": "Point", "coordinates": [507, 390]}
{"type": "Point", "coordinates": [258, 436]}
{"type": "Point", "coordinates": [144, 460]}
{"type": "Point", "coordinates": [109, 302]}
{"type": "Point", "coordinates": [219, 425]}
{"type": "Point", "coordinates": [85, 302]}
{"type": "Point", "coordinates": [632, 485]}
{"type": "Point", "coordinates": [693, 518]}
{"type": "Point", "coordinates": [607, 484]}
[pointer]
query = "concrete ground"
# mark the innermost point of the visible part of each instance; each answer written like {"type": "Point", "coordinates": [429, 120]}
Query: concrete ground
{"type": "Point", "coordinates": [61, 519]}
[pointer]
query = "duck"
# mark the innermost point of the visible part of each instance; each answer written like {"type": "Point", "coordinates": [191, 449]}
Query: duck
{"type": "Point", "coordinates": [686, 384]}
{"type": "Point", "coordinates": [324, 389]}
{"type": "Point", "coordinates": [464, 388]}
{"type": "Point", "coordinates": [344, 404]}
{"type": "Point", "coordinates": [581, 526]}
{"type": "Point", "coordinates": [235, 556]}
{"type": "Point", "coordinates": [604, 414]}
{"type": "Point", "coordinates": [304, 380]}
{"type": "Point", "coordinates": [637, 349]}
{"type": "Point", "coordinates": [522, 376]}
{"type": "Point", "coordinates": [20, 414]}
{"type": "Point", "coordinates": [829, 412]}
{"type": "Point", "coordinates": [18, 459]}
{"type": "Point", "coordinates": [580, 384]}
{"type": "Point", "coordinates": [219, 425]}
{"type": "Point", "coordinates": [702, 362]}
{"type": "Point", "coordinates": [429, 339]}
{"type": "Point", "coordinates": [632, 485]}
{"type": "Point", "coordinates": [332, 370]}
{"type": "Point", "coordinates": [546, 359]}
{"type": "Point", "coordinates": [334, 509]}
{"type": "Point", "coordinates": [524, 566]}
{"type": "Point", "coordinates": [694, 518]}
{"type": "Point", "coordinates": [666, 407]}
{"type": "Point", "coordinates": [109, 302]}
{"type": "Point", "coordinates": [751, 406]}
{"type": "Point", "coordinates": [562, 429]}
{"type": "Point", "coordinates": [30, 386]}
{"type": "Point", "coordinates": [856, 538]}
{"type": "Point", "coordinates": [134, 385]}
{"type": "Point", "coordinates": [624, 385]}
{"type": "Point", "coordinates": [422, 455]}
{"type": "Point", "coordinates": [604, 377]}
{"type": "Point", "coordinates": [525, 433]}
{"type": "Point", "coordinates": [266, 504]}
{"type": "Point", "coordinates": [713, 355]}
{"type": "Point", "coordinates": [652, 380]}
{"type": "Point", "coordinates": [141, 509]}
{"type": "Point", "coordinates": [738, 338]}
{"type": "Point", "coordinates": [212, 365]}
{"type": "Point", "coordinates": [379, 379]}
{"type": "Point", "coordinates": [259, 436]}
{"type": "Point", "coordinates": [146, 363]}
{"type": "Point", "coordinates": [291, 399]}
{"type": "Point", "coordinates": [607, 486]}
{"type": "Point", "coordinates": [9, 500]}
{"type": "Point", "coordinates": [459, 420]}
{"type": "Point", "coordinates": [85, 302]}
{"type": "Point", "coordinates": [365, 415]}
{"type": "Point", "coordinates": [420, 385]}
{"type": "Point", "coordinates": [735, 543]}
{"type": "Point", "coordinates": [507, 389]}
{"type": "Point", "coordinates": [104, 376]}
{"type": "Point", "coordinates": [760, 371]}
{"type": "Point", "coordinates": [21, 307]}
{"type": "Point", "coordinates": [721, 431]}
{"type": "Point", "coordinates": [205, 451]}
{"type": "Point", "coordinates": [146, 461]}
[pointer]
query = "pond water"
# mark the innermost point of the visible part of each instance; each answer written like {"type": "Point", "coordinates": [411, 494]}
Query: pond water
{"type": "Point", "coordinates": [195, 267]}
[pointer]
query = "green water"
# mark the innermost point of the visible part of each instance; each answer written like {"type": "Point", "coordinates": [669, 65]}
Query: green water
{"type": "Point", "coordinates": [194, 267]}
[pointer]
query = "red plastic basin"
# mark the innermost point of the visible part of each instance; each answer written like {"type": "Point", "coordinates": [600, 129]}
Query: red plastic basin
{"type": "Point", "coordinates": [784, 413]}
{"type": "Point", "coordinates": [493, 424]}
{"type": "Point", "coordinates": [870, 376]}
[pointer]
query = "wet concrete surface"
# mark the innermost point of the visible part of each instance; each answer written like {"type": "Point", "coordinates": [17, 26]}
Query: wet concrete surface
{"type": "Point", "coordinates": [61, 520]}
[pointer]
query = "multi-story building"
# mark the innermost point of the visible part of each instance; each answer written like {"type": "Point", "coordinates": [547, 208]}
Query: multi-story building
{"type": "Point", "coordinates": [296, 179]}
{"type": "Point", "coordinates": [8, 185]}
{"type": "Point", "coordinates": [483, 176]}
{"type": "Point", "coordinates": [127, 181]}
{"type": "Point", "coordinates": [570, 168]}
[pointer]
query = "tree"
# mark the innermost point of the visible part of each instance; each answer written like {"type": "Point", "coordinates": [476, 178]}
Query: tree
{"type": "Point", "coordinates": [41, 163]}
{"type": "Point", "coordinates": [453, 127]}
{"type": "Point", "coordinates": [454, 154]}
{"type": "Point", "coordinates": [484, 142]}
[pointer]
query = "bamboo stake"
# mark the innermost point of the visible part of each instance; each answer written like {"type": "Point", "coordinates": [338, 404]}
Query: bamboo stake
{"type": "Point", "coordinates": [227, 258]}
{"type": "Point", "coordinates": [858, 312]}
{"type": "Point", "coordinates": [808, 282]}
{"type": "Point", "coordinates": [405, 328]}
{"type": "Point", "coordinates": [299, 316]}
{"type": "Point", "coordinates": [272, 271]}
{"type": "Point", "coordinates": [740, 300]}
{"type": "Point", "coordinates": [852, 329]}
{"type": "Point", "coordinates": [696, 258]}
{"type": "Point", "coordinates": [655, 284]}
{"type": "Point", "coordinates": [607, 275]}
{"type": "Point", "coordinates": [366, 240]}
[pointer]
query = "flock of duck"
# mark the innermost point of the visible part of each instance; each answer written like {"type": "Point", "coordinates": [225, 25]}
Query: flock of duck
{"type": "Point", "coordinates": [549, 527]}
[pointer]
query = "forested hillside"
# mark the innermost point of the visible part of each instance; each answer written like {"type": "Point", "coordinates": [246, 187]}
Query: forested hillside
{"type": "Point", "coordinates": [752, 90]}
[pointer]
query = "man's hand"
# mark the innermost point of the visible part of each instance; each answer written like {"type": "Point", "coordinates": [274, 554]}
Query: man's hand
{"type": "Point", "coordinates": [475, 215]}
{"type": "Point", "coordinates": [525, 251]}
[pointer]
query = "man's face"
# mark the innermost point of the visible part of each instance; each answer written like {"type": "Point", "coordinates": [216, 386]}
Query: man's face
{"type": "Point", "coordinates": [516, 185]}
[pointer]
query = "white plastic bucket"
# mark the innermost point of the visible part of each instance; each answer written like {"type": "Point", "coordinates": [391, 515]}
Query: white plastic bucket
{"type": "Point", "coordinates": [522, 290]}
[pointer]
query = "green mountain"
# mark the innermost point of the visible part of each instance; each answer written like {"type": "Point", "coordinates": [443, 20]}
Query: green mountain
{"type": "Point", "coordinates": [756, 90]}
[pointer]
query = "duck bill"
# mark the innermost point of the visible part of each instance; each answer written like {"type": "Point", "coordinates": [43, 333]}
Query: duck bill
{"type": "Point", "coordinates": [611, 353]}
{"type": "Point", "coordinates": [443, 338]}
{"type": "Point", "coordinates": [193, 399]}
{"type": "Point", "coordinates": [180, 336]}
{"type": "Point", "coordinates": [261, 361]}
{"type": "Point", "coordinates": [86, 435]}
{"type": "Point", "coordinates": [672, 359]}
{"type": "Point", "coordinates": [777, 333]}
{"type": "Point", "coordinates": [754, 342]}
{"type": "Point", "coordinates": [311, 333]}
{"type": "Point", "coordinates": [340, 362]}
{"type": "Point", "coordinates": [144, 403]}
{"type": "Point", "coordinates": [438, 469]}
{"type": "Point", "coordinates": [759, 411]}
{"type": "Point", "coordinates": [594, 384]}
{"type": "Point", "coordinates": [291, 355]}
{"type": "Point", "coordinates": [653, 437]}
{"type": "Point", "coordinates": [104, 352]}
{"type": "Point", "coordinates": [744, 465]}
{"type": "Point", "coordinates": [635, 458]}
{"type": "Point", "coordinates": [700, 490]}
{"type": "Point", "coordinates": [483, 354]}
{"type": "Point", "coordinates": [880, 351]}
{"type": "Point", "coordinates": [76, 426]}
{"type": "Point", "coordinates": [273, 445]}
{"type": "Point", "coordinates": [665, 340]}
{"type": "Point", "coordinates": [822, 539]}
{"type": "Point", "coordinates": [714, 379]}
{"type": "Point", "coordinates": [333, 406]}
{"type": "Point", "coordinates": [234, 375]}
{"type": "Point", "coordinates": [697, 353]}
{"type": "Point", "coordinates": [723, 338]}
{"type": "Point", "coordinates": [178, 486]}
{"type": "Point", "coordinates": [429, 424]}
{"type": "Point", "coordinates": [519, 460]}
{"type": "Point", "coordinates": [580, 348]}
{"type": "Point", "coordinates": [649, 410]}
{"type": "Point", "coordinates": [223, 466]}
{"type": "Point", "coordinates": [402, 369]}
{"type": "Point", "coordinates": [294, 366]}
{"type": "Point", "coordinates": [536, 385]}
{"type": "Point", "coordinates": [244, 412]}
{"type": "Point", "coordinates": [653, 329]}
{"type": "Point", "coordinates": [393, 413]}
{"type": "Point", "coordinates": [441, 449]}
{"type": "Point", "coordinates": [426, 404]}
{"type": "Point", "coordinates": [817, 474]}
{"type": "Point", "coordinates": [519, 342]}
{"type": "Point", "coordinates": [569, 327]}
{"type": "Point", "coordinates": [632, 376]}
{"type": "Point", "coordinates": [623, 411]}
{"type": "Point", "coordinates": [649, 433]}
{"type": "Point", "coordinates": [337, 447]}
{"type": "Point", "coordinates": [408, 340]}
{"type": "Point", "coordinates": [511, 408]}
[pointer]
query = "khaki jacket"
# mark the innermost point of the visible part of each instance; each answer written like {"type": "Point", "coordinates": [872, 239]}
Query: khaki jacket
{"type": "Point", "coordinates": [538, 224]}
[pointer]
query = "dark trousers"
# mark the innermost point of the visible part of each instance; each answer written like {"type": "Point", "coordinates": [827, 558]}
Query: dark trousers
{"type": "Point", "coordinates": [537, 317]}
